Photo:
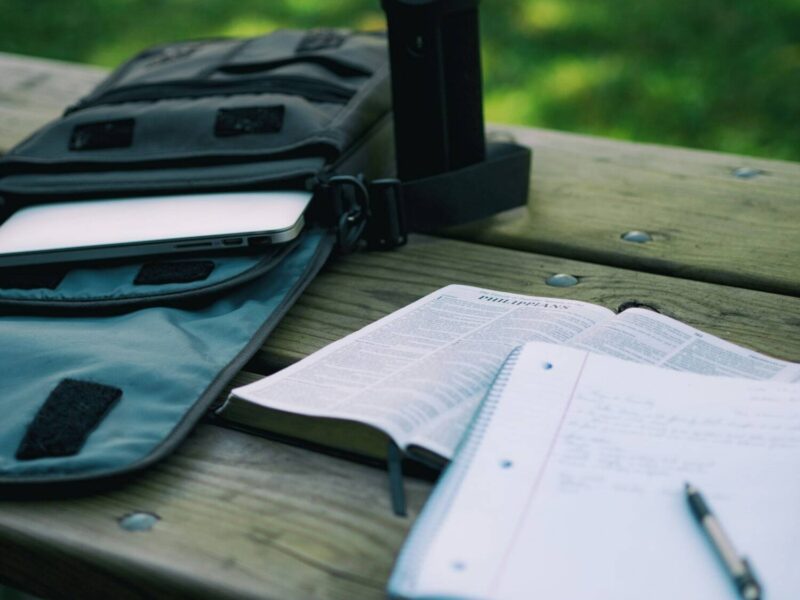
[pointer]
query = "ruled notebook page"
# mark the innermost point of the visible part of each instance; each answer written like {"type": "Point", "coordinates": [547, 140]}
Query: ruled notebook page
{"type": "Point", "coordinates": [571, 486]}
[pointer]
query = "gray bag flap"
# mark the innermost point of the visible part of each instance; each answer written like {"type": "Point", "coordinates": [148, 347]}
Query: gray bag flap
{"type": "Point", "coordinates": [211, 115]}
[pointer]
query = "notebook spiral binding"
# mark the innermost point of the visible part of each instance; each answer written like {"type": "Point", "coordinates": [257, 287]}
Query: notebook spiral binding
{"type": "Point", "coordinates": [474, 434]}
{"type": "Point", "coordinates": [439, 503]}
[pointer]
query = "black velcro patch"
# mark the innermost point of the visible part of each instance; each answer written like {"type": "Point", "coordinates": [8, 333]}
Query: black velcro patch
{"type": "Point", "coordinates": [102, 135]}
{"type": "Point", "coordinates": [248, 120]}
{"type": "Point", "coordinates": [70, 413]}
{"type": "Point", "coordinates": [31, 278]}
{"type": "Point", "coordinates": [320, 39]}
{"type": "Point", "coordinates": [159, 273]}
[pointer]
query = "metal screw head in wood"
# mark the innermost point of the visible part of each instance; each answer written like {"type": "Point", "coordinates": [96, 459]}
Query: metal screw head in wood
{"type": "Point", "coordinates": [138, 521]}
{"type": "Point", "coordinates": [638, 237]}
{"type": "Point", "coordinates": [747, 172]}
{"type": "Point", "coordinates": [561, 280]}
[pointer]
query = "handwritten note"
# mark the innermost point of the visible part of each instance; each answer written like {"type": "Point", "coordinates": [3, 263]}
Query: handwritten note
{"type": "Point", "coordinates": [572, 486]}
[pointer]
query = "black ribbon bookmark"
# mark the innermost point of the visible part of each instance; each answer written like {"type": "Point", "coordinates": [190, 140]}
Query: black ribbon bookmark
{"type": "Point", "coordinates": [394, 463]}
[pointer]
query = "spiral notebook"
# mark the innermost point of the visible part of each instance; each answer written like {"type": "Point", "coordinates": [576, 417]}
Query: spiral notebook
{"type": "Point", "coordinates": [569, 484]}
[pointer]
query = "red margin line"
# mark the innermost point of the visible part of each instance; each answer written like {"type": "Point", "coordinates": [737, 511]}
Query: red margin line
{"type": "Point", "coordinates": [539, 477]}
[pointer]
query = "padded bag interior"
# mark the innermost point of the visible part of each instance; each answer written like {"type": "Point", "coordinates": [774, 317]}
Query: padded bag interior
{"type": "Point", "coordinates": [64, 422]}
{"type": "Point", "coordinates": [126, 285]}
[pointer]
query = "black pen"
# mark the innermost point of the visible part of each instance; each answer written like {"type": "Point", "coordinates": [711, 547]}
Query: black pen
{"type": "Point", "coordinates": [736, 566]}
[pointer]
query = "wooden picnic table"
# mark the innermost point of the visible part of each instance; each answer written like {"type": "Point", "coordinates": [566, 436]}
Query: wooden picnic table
{"type": "Point", "coordinates": [713, 240]}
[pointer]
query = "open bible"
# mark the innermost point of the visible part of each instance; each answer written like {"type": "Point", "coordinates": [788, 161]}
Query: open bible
{"type": "Point", "coordinates": [417, 376]}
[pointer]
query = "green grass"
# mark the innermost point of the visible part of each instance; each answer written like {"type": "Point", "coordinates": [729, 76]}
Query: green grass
{"type": "Point", "coordinates": [716, 74]}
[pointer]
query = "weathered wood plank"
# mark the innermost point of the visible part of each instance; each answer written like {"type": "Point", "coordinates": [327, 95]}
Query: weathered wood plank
{"type": "Point", "coordinates": [706, 222]}
{"type": "Point", "coordinates": [45, 82]}
{"type": "Point", "coordinates": [33, 91]}
{"type": "Point", "coordinates": [239, 517]}
{"type": "Point", "coordinates": [355, 290]}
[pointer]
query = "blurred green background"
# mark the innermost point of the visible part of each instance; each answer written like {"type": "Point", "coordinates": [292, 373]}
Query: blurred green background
{"type": "Point", "coordinates": [717, 74]}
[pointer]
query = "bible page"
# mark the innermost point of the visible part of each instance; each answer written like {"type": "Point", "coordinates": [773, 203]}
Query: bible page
{"type": "Point", "coordinates": [645, 336]}
{"type": "Point", "coordinates": [648, 337]}
{"type": "Point", "coordinates": [436, 356]}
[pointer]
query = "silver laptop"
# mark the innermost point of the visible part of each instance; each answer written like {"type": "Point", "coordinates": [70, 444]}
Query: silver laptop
{"type": "Point", "coordinates": [101, 229]}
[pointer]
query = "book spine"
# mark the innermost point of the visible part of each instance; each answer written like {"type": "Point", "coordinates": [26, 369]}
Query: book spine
{"type": "Point", "coordinates": [483, 417]}
{"type": "Point", "coordinates": [413, 556]}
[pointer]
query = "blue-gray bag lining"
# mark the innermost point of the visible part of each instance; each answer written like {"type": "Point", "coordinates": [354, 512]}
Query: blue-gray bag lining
{"type": "Point", "coordinates": [118, 286]}
{"type": "Point", "coordinates": [170, 364]}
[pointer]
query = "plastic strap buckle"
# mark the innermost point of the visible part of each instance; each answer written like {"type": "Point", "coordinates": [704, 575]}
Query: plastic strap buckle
{"type": "Point", "coordinates": [349, 200]}
{"type": "Point", "coordinates": [387, 226]}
